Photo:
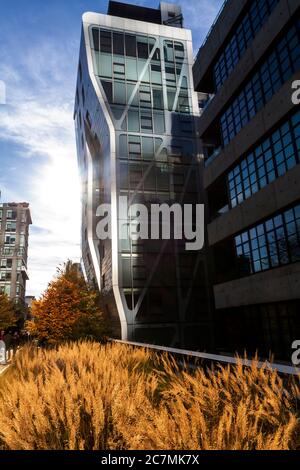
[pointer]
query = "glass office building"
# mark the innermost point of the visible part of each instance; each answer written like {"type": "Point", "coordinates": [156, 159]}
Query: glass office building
{"type": "Point", "coordinates": [136, 116]}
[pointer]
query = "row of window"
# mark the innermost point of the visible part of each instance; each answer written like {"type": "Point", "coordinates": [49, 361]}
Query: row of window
{"type": "Point", "coordinates": [151, 122]}
{"type": "Point", "coordinates": [134, 147]}
{"type": "Point", "coordinates": [10, 214]}
{"type": "Point", "coordinates": [135, 70]}
{"type": "Point", "coordinates": [118, 43]}
{"type": "Point", "coordinates": [9, 226]}
{"type": "Point", "coordinates": [11, 240]}
{"type": "Point", "coordinates": [12, 251]}
{"type": "Point", "coordinates": [255, 17]}
{"type": "Point", "coordinates": [145, 121]}
{"type": "Point", "coordinates": [122, 93]}
{"type": "Point", "coordinates": [273, 243]}
{"type": "Point", "coordinates": [271, 159]}
{"type": "Point", "coordinates": [6, 289]}
{"type": "Point", "coordinates": [276, 70]}
{"type": "Point", "coordinates": [130, 45]}
{"type": "Point", "coordinates": [8, 263]}
{"type": "Point", "coordinates": [137, 269]}
{"type": "Point", "coordinates": [158, 177]}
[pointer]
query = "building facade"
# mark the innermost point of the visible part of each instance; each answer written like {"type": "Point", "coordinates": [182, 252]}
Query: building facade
{"type": "Point", "coordinates": [135, 114]}
{"type": "Point", "coordinates": [15, 220]}
{"type": "Point", "coordinates": [250, 131]}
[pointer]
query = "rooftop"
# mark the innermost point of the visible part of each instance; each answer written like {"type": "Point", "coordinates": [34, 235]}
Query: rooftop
{"type": "Point", "coordinates": [167, 13]}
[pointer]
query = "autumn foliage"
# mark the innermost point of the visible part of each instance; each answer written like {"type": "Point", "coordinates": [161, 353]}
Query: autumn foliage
{"type": "Point", "coordinates": [8, 317]}
{"type": "Point", "coordinates": [68, 310]}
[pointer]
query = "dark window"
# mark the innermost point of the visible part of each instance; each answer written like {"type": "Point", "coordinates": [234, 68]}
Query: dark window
{"type": "Point", "coordinates": [105, 42]}
{"type": "Point", "coordinates": [273, 243]}
{"type": "Point", "coordinates": [96, 39]}
{"type": "Point", "coordinates": [107, 86]}
{"type": "Point", "coordinates": [142, 47]}
{"type": "Point", "coordinates": [254, 19]}
{"type": "Point", "coordinates": [186, 125]}
{"type": "Point", "coordinates": [272, 158]}
{"type": "Point", "coordinates": [156, 55]}
{"type": "Point", "coordinates": [118, 40]}
{"type": "Point", "coordinates": [262, 86]}
{"type": "Point", "coordinates": [158, 99]}
{"type": "Point", "coordinates": [130, 42]}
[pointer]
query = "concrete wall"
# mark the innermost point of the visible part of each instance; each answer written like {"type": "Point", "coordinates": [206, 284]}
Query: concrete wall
{"type": "Point", "coordinates": [272, 286]}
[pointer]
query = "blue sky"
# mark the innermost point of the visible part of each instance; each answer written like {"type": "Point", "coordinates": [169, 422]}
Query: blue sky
{"type": "Point", "coordinates": [38, 64]}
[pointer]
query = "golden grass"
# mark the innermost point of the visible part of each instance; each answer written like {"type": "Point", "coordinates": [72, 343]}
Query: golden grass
{"type": "Point", "coordinates": [89, 396]}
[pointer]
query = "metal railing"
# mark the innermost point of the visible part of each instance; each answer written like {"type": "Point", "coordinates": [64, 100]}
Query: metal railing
{"type": "Point", "coordinates": [281, 368]}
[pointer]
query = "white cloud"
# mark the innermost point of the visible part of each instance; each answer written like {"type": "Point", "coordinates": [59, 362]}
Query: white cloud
{"type": "Point", "coordinates": [39, 119]}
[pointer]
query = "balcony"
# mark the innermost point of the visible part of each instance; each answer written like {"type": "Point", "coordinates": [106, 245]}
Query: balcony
{"type": "Point", "coordinates": [213, 156]}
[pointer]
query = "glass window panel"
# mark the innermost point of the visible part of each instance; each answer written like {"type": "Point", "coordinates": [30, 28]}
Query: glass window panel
{"type": "Point", "coordinates": [133, 121]}
{"type": "Point", "coordinates": [156, 76]}
{"type": "Point", "coordinates": [142, 47]}
{"type": "Point", "coordinates": [146, 122]}
{"type": "Point", "coordinates": [143, 71]}
{"type": "Point", "coordinates": [158, 99]}
{"type": "Point", "coordinates": [96, 38]}
{"type": "Point", "coordinates": [123, 151]}
{"type": "Point", "coordinates": [108, 90]}
{"type": "Point", "coordinates": [159, 123]}
{"type": "Point", "coordinates": [131, 69]}
{"type": "Point", "coordinates": [105, 41]}
{"type": "Point", "coordinates": [119, 69]}
{"type": "Point", "coordinates": [132, 96]}
{"type": "Point", "coordinates": [105, 65]}
{"type": "Point", "coordinates": [145, 98]}
{"type": "Point", "coordinates": [169, 51]}
{"type": "Point", "coordinates": [119, 93]}
{"type": "Point", "coordinates": [171, 99]}
{"type": "Point", "coordinates": [130, 45]}
{"type": "Point", "coordinates": [156, 55]}
{"type": "Point", "coordinates": [147, 146]}
{"type": "Point", "coordinates": [118, 43]}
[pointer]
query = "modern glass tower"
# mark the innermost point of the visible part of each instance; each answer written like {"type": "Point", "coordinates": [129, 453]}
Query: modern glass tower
{"type": "Point", "coordinates": [135, 117]}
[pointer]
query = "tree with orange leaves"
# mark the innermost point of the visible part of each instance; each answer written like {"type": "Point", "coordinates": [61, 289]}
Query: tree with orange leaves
{"type": "Point", "coordinates": [68, 310]}
{"type": "Point", "coordinates": [8, 317]}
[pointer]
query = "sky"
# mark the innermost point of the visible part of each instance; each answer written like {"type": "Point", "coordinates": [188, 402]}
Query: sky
{"type": "Point", "coordinates": [39, 49]}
